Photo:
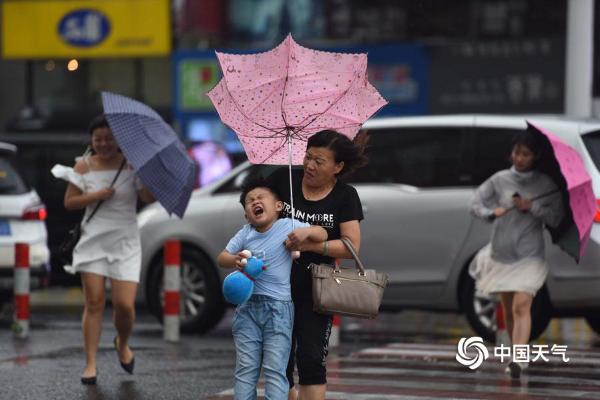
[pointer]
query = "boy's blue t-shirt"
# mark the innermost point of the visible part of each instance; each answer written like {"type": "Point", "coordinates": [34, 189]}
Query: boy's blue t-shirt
{"type": "Point", "coordinates": [268, 246]}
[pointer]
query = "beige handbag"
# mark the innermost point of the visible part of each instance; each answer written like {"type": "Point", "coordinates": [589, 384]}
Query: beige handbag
{"type": "Point", "coordinates": [347, 291]}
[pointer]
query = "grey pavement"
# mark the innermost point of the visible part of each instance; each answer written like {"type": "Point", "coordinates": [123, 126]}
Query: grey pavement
{"type": "Point", "coordinates": [48, 364]}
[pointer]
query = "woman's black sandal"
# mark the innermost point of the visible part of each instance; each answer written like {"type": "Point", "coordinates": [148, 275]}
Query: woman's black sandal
{"type": "Point", "coordinates": [128, 367]}
{"type": "Point", "coordinates": [88, 380]}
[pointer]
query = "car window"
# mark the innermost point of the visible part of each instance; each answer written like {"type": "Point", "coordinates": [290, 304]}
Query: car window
{"type": "Point", "coordinates": [592, 143]}
{"type": "Point", "coordinates": [10, 181]}
{"type": "Point", "coordinates": [235, 183]}
{"type": "Point", "coordinates": [423, 157]}
{"type": "Point", "coordinates": [488, 152]}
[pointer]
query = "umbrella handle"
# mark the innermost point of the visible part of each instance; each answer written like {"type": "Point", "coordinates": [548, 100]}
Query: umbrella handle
{"type": "Point", "coordinates": [541, 196]}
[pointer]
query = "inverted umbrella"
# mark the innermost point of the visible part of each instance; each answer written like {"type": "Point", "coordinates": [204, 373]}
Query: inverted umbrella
{"type": "Point", "coordinates": [276, 100]}
{"type": "Point", "coordinates": [153, 149]}
{"type": "Point", "coordinates": [564, 165]}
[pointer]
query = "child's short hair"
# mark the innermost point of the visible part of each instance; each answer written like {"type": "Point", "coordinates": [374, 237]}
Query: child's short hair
{"type": "Point", "coordinates": [254, 183]}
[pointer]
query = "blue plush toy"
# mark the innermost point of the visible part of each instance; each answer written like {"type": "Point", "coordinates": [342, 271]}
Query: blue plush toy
{"type": "Point", "coordinates": [239, 285]}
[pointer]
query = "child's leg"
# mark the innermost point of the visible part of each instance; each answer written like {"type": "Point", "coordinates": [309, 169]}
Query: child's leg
{"type": "Point", "coordinates": [248, 338]}
{"type": "Point", "coordinates": [276, 349]}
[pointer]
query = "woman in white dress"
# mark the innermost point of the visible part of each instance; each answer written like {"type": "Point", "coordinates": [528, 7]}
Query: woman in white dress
{"type": "Point", "coordinates": [110, 245]}
{"type": "Point", "coordinates": [513, 264]}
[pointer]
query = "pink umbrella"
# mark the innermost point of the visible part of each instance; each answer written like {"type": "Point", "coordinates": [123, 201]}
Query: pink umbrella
{"type": "Point", "coordinates": [283, 96]}
{"type": "Point", "coordinates": [568, 171]}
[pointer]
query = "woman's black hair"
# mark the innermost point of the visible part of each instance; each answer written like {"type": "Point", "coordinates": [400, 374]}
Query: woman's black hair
{"type": "Point", "coordinates": [533, 141]}
{"type": "Point", "coordinates": [99, 121]}
{"type": "Point", "coordinates": [351, 152]}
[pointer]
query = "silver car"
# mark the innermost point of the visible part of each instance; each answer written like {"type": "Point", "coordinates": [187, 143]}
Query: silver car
{"type": "Point", "coordinates": [415, 193]}
{"type": "Point", "coordinates": [22, 216]}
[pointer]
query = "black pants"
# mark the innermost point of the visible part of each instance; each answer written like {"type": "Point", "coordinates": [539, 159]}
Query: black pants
{"type": "Point", "coordinates": [310, 341]}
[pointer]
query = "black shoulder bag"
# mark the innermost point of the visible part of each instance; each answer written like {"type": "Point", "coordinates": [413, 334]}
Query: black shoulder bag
{"type": "Point", "coordinates": [65, 250]}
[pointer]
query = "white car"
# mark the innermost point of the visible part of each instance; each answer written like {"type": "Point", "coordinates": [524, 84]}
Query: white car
{"type": "Point", "coordinates": [22, 216]}
{"type": "Point", "coordinates": [415, 194]}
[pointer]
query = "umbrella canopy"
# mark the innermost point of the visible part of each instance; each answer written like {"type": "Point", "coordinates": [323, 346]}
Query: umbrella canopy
{"type": "Point", "coordinates": [153, 149]}
{"type": "Point", "coordinates": [564, 165]}
{"type": "Point", "coordinates": [287, 94]}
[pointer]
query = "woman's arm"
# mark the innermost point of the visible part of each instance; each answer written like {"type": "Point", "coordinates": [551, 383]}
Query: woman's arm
{"type": "Point", "coordinates": [336, 248]}
{"type": "Point", "coordinates": [484, 196]}
{"type": "Point", "coordinates": [550, 211]}
{"type": "Point", "coordinates": [145, 195]}
{"type": "Point", "coordinates": [300, 236]}
{"type": "Point", "coordinates": [75, 199]}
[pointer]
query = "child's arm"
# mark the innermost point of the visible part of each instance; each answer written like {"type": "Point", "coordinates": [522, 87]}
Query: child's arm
{"type": "Point", "coordinates": [228, 260]}
{"type": "Point", "coordinates": [232, 255]}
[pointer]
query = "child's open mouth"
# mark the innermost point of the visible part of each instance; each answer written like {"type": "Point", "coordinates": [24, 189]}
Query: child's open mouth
{"type": "Point", "coordinates": [258, 211]}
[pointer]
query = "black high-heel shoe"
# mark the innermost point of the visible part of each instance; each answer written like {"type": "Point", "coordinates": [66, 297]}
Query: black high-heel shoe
{"type": "Point", "coordinates": [128, 367]}
{"type": "Point", "coordinates": [88, 380]}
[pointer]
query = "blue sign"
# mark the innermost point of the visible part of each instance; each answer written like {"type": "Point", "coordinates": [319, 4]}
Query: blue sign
{"type": "Point", "coordinates": [84, 28]}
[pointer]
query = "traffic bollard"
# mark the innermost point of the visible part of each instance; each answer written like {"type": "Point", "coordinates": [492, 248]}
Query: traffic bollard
{"type": "Point", "coordinates": [334, 337]}
{"type": "Point", "coordinates": [502, 336]}
{"type": "Point", "coordinates": [21, 291]}
{"type": "Point", "coordinates": [172, 284]}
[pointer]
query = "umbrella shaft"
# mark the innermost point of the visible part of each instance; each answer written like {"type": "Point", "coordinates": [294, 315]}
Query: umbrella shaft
{"type": "Point", "coordinates": [289, 140]}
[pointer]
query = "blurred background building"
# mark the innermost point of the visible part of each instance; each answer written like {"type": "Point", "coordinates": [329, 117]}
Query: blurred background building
{"type": "Point", "coordinates": [426, 56]}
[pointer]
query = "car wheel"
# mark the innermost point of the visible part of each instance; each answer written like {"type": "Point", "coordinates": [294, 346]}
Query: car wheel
{"type": "Point", "coordinates": [594, 322]}
{"type": "Point", "coordinates": [202, 304]}
{"type": "Point", "coordinates": [480, 311]}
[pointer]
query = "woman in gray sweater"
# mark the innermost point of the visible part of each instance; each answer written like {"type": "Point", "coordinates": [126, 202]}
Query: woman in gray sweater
{"type": "Point", "coordinates": [518, 201]}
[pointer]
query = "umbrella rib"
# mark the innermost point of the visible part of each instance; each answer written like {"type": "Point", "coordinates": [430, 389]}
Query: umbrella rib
{"type": "Point", "coordinates": [243, 113]}
{"type": "Point", "coordinates": [328, 108]}
{"type": "Point", "coordinates": [283, 114]}
{"type": "Point", "coordinates": [275, 151]}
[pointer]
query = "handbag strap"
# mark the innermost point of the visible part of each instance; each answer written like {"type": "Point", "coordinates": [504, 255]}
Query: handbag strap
{"type": "Point", "coordinates": [111, 185]}
{"type": "Point", "coordinates": [359, 265]}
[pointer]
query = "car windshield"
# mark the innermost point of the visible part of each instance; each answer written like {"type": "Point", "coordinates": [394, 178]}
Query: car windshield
{"type": "Point", "coordinates": [592, 142]}
{"type": "Point", "coordinates": [10, 181]}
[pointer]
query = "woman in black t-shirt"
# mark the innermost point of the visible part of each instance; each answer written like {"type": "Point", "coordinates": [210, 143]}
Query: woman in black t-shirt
{"type": "Point", "coordinates": [319, 199]}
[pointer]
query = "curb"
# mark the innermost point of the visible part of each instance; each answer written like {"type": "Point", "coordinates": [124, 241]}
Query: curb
{"type": "Point", "coordinates": [66, 300]}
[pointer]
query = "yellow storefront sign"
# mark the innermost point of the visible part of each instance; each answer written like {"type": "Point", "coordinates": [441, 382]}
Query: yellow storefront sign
{"type": "Point", "coordinates": [85, 28]}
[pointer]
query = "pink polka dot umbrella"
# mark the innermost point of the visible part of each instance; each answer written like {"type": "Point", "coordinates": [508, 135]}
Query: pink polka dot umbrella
{"type": "Point", "coordinates": [276, 100]}
{"type": "Point", "coordinates": [566, 167]}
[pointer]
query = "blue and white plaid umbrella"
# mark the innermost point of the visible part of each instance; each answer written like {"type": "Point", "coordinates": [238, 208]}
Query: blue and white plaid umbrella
{"type": "Point", "coordinates": [153, 149]}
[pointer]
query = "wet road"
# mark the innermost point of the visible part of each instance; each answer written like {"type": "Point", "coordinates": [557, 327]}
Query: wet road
{"type": "Point", "coordinates": [48, 365]}
{"type": "Point", "coordinates": [409, 355]}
